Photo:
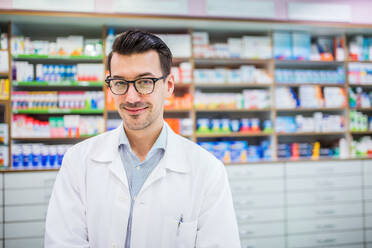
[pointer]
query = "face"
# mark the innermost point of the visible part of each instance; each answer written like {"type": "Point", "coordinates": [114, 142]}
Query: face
{"type": "Point", "coordinates": [141, 111]}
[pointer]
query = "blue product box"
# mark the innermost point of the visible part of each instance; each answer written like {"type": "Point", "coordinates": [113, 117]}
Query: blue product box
{"type": "Point", "coordinates": [216, 125]}
{"type": "Point", "coordinates": [238, 151]}
{"type": "Point", "coordinates": [35, 155]}
{"type": "Point", "coordinates": [16, 156]}
{"type": "Point", "coordinates": [209, 146]}
{"type": "Point", "coordinates": [301, 46]}
{"type": "Point", "coordinates": [44, 156]}
{"type": "Point", "coordinates": [253, 153]}
{"type": "Point", "coordinates": [235, 125]}
{"type": "Point", "coordinates": [52, 156]}
{"type": "Point", "coordinates": [222, 151]}
{"type": "Point", "coordinates": [282, 45]}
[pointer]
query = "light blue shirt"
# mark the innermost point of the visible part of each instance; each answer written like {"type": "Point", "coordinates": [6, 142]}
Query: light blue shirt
{"type": "Point", "coordinates": [137, 171]}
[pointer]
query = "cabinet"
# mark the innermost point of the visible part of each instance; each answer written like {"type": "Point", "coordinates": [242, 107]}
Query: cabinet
{"type": "Point", "coordinates": [330, 207]}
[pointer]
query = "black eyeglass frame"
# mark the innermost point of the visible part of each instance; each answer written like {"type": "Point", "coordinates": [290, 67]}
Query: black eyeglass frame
{"type": "Point", "coordinates": [154, 80]}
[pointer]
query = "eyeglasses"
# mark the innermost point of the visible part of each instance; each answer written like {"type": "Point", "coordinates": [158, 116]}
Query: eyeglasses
{"type": "Point", "coordinates": [143, 86]}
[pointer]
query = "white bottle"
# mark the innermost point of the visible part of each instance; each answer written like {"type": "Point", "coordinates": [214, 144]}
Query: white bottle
{"type": "Point", "coordinates": [109, 40]}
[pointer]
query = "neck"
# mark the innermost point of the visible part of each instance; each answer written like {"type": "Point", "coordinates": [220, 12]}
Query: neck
{"type": "Point", "coordinates": [141, 141]}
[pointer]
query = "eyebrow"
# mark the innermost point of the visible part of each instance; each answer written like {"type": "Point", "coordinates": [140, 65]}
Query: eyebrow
{"type": "Point", "coordinates": [138, 76]}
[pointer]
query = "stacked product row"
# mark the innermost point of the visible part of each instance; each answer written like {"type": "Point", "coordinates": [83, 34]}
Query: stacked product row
{"type": "Point", "coordinates": [313, 150]}
{"type": "Point", "coordinates": [63, 46]}
{"type": "Point", "coordinates": [67, 126]}
{"type": "Point", "coordinates": [319, 122]}
{"type": "Point", "coordinates": [310, 97]}
{"type": "Point", "coordinates": [25, 72]}
{"type": "Point", "coordinates": [49, 100]}
{"type": "Point", "coordinates": [35, 156]}
{"type": "Point", "coordinates": [248, 99]}
{"type": "Point", "coordinates": [245, 74]}
{"type": "Point", "coordinates": [238, 151]}
{"type": "Point", "coordinates": [306, 76]}
{"type": "Point", "coordinates": [227, 126]}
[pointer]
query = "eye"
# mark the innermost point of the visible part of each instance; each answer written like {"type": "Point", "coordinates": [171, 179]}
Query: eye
{"type": "Point", "coordinates": [118, 83]}
{"type": "Point", "coordinates": [144, 82]}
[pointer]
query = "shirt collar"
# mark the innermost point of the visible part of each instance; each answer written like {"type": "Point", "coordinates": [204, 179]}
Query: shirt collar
{"type": "Point", "coordinates": [160, 143]}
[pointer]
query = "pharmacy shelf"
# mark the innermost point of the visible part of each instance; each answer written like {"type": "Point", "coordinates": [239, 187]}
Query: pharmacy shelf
{"type": "Point", "coordinates": [308, 63]}
{"type": "Point", "coordinates": [48, 139]}
{"type": "Point", "coordinates": [183, 85]}
{"type": "Point", "coordinates": [4, 102]}
{"type": "Point", "coordinates": [177, 110]}
{"type": "Point", "coordinates": [178, 60]}
{"type": "Point", "coordinates": [59, 84]}
{"type": "Point", "coordinates": [57, 57]}
{"type": "Point", "coordinates": [233, 110]}
{"type": "Point", "coordinates": [308, 109]}
{"type": "Point", "coordinates": [225, 135]}
{"type": "Point", "coordinates": [28, 169]}
{"type": "Point", "coordinates": [309, 159]}
{"type": "Point", "coordinates": [230, 61]}
{"type": "Point", "coordinates": [232, 85]}
{"type": "Point", "coordinates": [361, 132]}
{"type": "Point", "coordinates": [310, 133]}
{"type": "Point", "coordinates": [58, 111]}
{"type": "Point", "coordinates": [362, 109]}
{"type": "Point", "coordinates": [165, 110]}
{"type": "Point", "coordinates": [3, 50]}
{"type": "Point", "coordinates": [249, 163]}
{"type": "Point", "coordinates": [369, 85]}
{"type": "Point", "coordinates": [362, 62]}
{"type": "Point", "coordinates": [4, 74]}
{"type": "Point", "coordinates": [310, 84]}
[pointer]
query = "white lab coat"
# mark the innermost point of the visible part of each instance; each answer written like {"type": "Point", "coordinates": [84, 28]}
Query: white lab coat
{"type": "Point", "coordinates": [90, 203]}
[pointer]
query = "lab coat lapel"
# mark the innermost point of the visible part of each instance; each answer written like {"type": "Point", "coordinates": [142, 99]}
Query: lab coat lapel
{"type": "Point", "coordinates": [107, 153]}
{"type": "Point", "coordinates": [117, 169]}
{"type": "Point", "coordinates": [172, 160]}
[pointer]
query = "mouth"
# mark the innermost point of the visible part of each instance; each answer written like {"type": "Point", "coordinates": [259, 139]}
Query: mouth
{"type": "Point", "coordinates": [135, 111]}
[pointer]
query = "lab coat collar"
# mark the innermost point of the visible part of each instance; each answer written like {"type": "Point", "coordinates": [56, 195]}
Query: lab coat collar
{"type": "Point", "coordinates": [174, 159]}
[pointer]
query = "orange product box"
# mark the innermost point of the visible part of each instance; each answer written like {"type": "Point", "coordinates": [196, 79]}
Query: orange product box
{"type": "Point", "coordinates": [110, 104]}
{"type": "Point", "coordinates": [174, 124]}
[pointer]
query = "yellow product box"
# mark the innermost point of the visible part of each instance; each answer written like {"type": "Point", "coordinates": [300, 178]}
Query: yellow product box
{"type": "Point", "coordinates": [4, 89]}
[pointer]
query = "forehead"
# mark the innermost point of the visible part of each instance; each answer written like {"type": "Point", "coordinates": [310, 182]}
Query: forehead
{"type": "Point", "coordinates": [135, 64]}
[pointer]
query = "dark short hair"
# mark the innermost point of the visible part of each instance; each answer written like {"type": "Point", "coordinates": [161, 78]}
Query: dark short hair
{"type": "Point", "coordinates": [137, 41]}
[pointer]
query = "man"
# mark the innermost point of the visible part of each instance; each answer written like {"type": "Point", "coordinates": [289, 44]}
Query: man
{"type": "Point", "coordinates": [140, 185]}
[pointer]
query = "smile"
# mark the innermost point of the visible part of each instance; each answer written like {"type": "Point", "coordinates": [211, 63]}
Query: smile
{"type": "Point", "coordinates": [135, 111]}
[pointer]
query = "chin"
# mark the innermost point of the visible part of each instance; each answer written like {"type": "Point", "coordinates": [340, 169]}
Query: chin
{"type": "Point", "coordinates": [134, 125]}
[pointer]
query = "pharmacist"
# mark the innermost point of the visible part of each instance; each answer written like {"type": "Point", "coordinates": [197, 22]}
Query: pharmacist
{"type": "Point", "coordinates": [140, 185]}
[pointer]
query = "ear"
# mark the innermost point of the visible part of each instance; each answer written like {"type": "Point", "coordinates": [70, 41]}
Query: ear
{"type": "Point", "coordinates": [169, 83]}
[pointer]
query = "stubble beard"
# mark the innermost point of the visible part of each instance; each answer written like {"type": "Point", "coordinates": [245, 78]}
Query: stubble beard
{"type": "Point", "coordinates": [137, 122]}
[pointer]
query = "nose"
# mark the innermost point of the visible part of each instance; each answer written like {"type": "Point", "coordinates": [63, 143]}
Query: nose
{"type": "Point", "coordinates": [132, 95]}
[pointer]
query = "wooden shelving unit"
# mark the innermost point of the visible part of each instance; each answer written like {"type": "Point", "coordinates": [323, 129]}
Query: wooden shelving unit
{"type": "Point", "coordinates": [184, 23]}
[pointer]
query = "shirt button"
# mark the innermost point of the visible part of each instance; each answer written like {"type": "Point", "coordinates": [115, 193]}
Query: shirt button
{"type": "Point", "coordinates": [122, 198]}
{"type": "Point", "coordinates": [138, 167]}
{"type": "Point", "coordinates": [114, 245]}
